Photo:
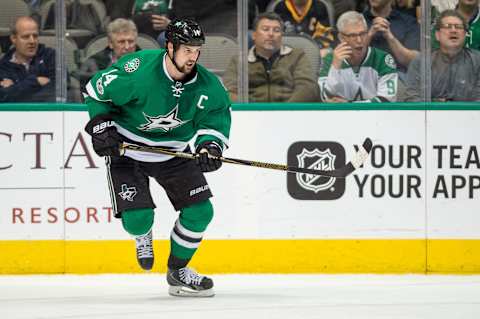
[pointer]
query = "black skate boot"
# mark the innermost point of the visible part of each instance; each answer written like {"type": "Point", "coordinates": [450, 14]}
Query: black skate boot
{"type": "Point", "coordinates": [145, 250]}
{"type": "Point", "coordinates": [185, 282]}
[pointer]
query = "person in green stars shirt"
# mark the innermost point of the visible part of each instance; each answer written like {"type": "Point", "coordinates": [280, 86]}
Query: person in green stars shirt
{"type": "Point", "coordinates": [355, 71]}
{"type": "Point", "coordinates": [162, 98]}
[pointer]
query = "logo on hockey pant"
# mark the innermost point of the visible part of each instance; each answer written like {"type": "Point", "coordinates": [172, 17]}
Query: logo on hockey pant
{"type": "Point", "coordinates": [315, 155]}
{"type": "Point", "coordinates": [198, 190]}
{"type": "Point", "coordinates": [128, 193]}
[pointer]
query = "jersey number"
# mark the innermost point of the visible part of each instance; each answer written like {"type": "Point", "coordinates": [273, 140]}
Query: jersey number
{"type": "Point", "coordinates": [390, 87]}
{"type": "Point", "coordinates": [109, 78]}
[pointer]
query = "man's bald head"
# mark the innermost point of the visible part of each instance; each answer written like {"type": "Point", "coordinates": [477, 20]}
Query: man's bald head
{"type": "Point", "coordinates": [24, 36]}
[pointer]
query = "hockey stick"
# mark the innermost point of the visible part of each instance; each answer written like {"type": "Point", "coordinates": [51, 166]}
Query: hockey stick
{"type": "Point", "coordinates": [341, 172]}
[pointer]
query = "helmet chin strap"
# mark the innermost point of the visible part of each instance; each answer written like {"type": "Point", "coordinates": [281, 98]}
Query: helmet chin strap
{"type": "Point", "coordinates": [172, 58]}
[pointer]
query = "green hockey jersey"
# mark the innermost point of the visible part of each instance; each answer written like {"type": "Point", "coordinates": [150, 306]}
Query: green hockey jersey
{"type": "Point", "coordinates": [375, 80]}
{"type": "Point", "coordinates": [149, 107]}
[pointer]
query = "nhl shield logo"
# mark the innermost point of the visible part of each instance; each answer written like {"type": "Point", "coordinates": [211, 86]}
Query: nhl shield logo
{"type": "Point", "coordinates": [315, 155]}
{"type": "Point", "coordinates": [316, 159]}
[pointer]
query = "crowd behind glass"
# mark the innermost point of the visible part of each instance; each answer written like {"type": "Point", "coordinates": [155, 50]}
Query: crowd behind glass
{"type": "Point", "coordinates": [315, 51]}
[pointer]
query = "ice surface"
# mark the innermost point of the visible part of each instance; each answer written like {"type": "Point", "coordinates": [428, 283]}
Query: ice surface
{"type": "Point", "coordinates": [242, 297]}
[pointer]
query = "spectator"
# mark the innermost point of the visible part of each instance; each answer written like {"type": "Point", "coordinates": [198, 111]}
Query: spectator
{"type": "Point", "coordinates": [27, 70]}
{"type": "Point", "coordinates": [469, 10]}
{"type": "Point", "coordinates": [306, 17]}
{"type": "Point", "coordinates": [393, 32]}
{"type": "Point", "coordinates": [354, 71]}
{"type": "Point", "coordinates": [122, 39]}
{"type": "Point", "coordinates": [276, 73]}
{"type": "Point", "coordinates": [152, 17]}
{"type": "Point", "coordinates": [455, 69]}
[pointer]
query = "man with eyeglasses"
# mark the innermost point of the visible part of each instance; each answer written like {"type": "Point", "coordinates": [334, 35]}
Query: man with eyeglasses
{"type": "Point", "coordinates": [354, 71]}
{"type": "Point", "coordinates": [455, 69]}
{"type": "Point", "coordinates": [470, 11]}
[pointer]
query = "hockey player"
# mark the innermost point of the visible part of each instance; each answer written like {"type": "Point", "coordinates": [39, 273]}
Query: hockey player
{"type": "Point", "coordinates": [162, 98]}
{"type": "Point", "coordinates": [355, 71]}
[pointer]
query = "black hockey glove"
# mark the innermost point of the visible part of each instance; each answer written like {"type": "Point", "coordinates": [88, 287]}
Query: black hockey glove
{"type": "Point", "coordinates": [204, 151]}
{"type": "Point", "coordinates": [105, 138]}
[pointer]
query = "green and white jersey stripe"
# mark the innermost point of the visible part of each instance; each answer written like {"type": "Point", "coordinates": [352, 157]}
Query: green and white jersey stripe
{"type": "Point", "coordinates": [375, 80]}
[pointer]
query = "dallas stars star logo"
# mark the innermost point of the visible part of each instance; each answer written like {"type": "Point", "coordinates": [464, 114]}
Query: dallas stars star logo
{"type": "Point", "coordinates": [164, 122]}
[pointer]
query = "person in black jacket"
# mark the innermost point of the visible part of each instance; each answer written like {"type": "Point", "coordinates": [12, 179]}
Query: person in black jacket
{"type": "Point", "coordinates": [27, 71]}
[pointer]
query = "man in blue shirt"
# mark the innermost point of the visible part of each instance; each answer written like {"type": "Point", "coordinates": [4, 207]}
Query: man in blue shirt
{"type": "Point", "coordinates": [27, 71]}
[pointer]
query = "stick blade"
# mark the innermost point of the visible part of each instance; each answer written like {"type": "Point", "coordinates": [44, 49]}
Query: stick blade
{"type": "Point", "coordinates": [362, 153]}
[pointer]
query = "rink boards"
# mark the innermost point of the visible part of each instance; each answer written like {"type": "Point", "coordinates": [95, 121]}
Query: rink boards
{"type": "Point", "coordinates": [413, 208]}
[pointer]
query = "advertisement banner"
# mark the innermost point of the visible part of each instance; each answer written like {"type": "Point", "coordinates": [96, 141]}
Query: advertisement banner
{"type": "Point", "coordinates": [420, 181]}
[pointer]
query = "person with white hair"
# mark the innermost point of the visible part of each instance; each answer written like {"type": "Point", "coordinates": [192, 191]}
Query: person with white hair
{"type": "Point", "coordinates": [122, 39]}
{"type": "Point", "coordinates": [355, 71]}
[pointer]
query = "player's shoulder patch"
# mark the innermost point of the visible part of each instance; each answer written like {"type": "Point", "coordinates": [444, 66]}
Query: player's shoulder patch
{"type": "Point", "coordinates": [131, 65]}
{"type": "Point", "coordinates": [99, 86]}
{"type": "Point", "coordinates": [390, 61]}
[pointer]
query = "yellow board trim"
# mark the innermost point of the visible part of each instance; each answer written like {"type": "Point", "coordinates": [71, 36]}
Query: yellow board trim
{"type": "Point", "coordinates": [248, 256]}
{"type": "Point", "coordinates": [454, 256]}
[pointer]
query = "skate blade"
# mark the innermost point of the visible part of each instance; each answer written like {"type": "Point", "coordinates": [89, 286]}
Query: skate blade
{"type": "Point", "coordinates": [180, 291]}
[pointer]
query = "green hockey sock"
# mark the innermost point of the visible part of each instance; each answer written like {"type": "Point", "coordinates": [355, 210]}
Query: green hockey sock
{"type": "Point", "coordinates": [189, 227]}
{"type": "Point", "coordinates": [137, 221]}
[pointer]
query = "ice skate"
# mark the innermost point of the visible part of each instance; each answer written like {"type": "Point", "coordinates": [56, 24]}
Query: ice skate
{"type": "Point", "coordinates": [185, 282]}
{"type": "Point", "coordinates": [145, 250]}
